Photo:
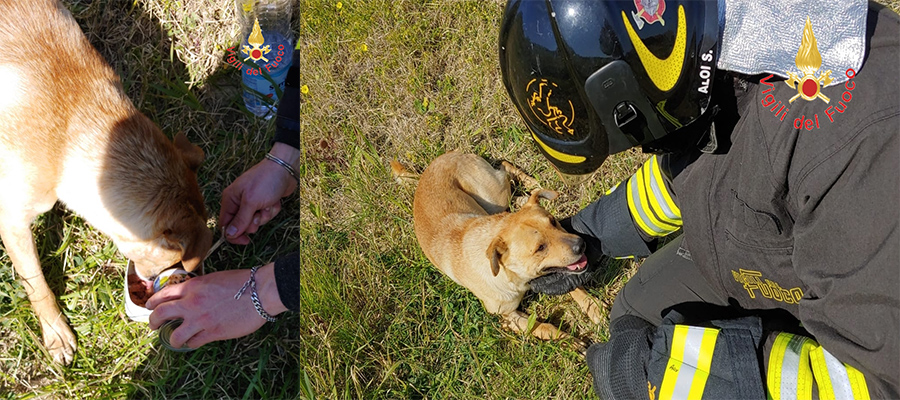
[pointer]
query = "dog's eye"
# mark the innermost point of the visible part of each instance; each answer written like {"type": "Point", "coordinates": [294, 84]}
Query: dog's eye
{"type": "Point", "coordinates": [541, 248]}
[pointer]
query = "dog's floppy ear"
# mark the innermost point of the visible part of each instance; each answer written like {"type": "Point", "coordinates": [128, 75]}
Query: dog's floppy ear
{"type": "Point", "coordinates": [538, 194]}
{"type": "Point", "coordinates": [191, 153]}
{"type": "Point", "coordinates": [495, 253]}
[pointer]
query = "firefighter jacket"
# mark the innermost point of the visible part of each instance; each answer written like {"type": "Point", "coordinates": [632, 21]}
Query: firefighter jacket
{"type": "Point", "coordinates": [798, 212]}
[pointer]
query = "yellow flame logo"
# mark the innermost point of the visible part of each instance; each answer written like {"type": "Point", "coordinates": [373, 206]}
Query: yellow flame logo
{"type": "Point", "coordinates": [256, 39]}
{"type": "Point", "coordinates": [556, 118]}
{"type": "Point", "coordinates": [808, 61]}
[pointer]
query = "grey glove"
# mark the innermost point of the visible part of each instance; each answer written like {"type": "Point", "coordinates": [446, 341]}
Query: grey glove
{"type": "Point", "coordinates": [557, 283]}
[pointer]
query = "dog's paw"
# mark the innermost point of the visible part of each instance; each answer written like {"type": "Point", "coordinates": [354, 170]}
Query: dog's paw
{"type": "Point", "coordinates": [59, 340]}
{"type": "Point", "coordinates": [578, 345]}
{"type": "Point", "coordinates": [518, 175]}
{"type": "Point", "coordinates": [592, 310]}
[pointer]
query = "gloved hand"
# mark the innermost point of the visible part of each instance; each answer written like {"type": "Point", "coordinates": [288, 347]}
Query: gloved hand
{"type": "Point", "coordinates": [557, 283]}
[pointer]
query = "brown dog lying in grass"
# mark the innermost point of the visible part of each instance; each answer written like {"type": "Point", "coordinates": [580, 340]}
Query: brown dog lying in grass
{"type": "Point", "coordinates": [463, 225]}
{"type": "Point", "coordinates": [68, 132]}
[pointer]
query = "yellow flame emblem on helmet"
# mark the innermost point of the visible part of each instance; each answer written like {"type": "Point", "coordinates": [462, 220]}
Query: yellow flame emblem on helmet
{"type": "Point", "coordinates": [557, 118]}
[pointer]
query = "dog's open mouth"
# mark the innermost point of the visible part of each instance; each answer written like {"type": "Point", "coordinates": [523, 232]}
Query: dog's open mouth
{"type": "Point", "coordinates": [141, 289]}
{"type": "Point", "coordinates": [574, 268]}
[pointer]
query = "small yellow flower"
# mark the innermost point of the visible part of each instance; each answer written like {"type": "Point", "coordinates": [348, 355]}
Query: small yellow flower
{"type": "Point", "coordinates": [364, 48]}
{"type": "Point", "coordinates": [339, 5]}
{"type": "Point", "coordinates": [425, 103]}
{"type": "Point", "coordinates": [304, 89]}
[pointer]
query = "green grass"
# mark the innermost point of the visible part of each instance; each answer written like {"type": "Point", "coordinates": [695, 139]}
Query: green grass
{"type": "Point", "coordinates": [398, 79]}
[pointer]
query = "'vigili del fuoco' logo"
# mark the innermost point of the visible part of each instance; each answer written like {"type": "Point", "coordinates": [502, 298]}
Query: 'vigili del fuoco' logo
{"type": "Point", "coordinates": [808, 85]}
{"type": "Point", "coordinates": [256, 53]}
{"type": "Point", "coordinates": [558, 117]}
{"type": "Point", "coordinates": [808, 61]}
{"type": "Point", "coordinates": [256, 39]}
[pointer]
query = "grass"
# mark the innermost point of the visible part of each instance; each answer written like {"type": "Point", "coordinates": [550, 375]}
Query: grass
{"type": "Point", "coordinates": [403, 79]}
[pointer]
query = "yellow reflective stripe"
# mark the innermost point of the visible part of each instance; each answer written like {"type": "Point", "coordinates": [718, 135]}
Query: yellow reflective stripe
{"type": "Point", "coordinates": [857, 383]}
{"type": "Point", "coordinates": [835, 379]}
{"type": "Point", "coordinates": [823, 378]}
{"type": "Point", "coordinates": [645, 206]}
{"type": "Point", "coordinates": [704, 361]}
{"type": "Point", "coordinates": [566, 158]}
{"type": "Point", "coordinates": [665, 192]}
{"type": "Point", "coordinates": [789, 375]}
{"type": "Point", "coordinates": [690, 358]}
{"type": "Point", "coordinates": [654, 193]}
{"type": "Point", "coordinates": [636, 214]}
{"type": "Point", "coordinates": [776, 358]}
{"type": "Point", "coordinates": [674, 365]}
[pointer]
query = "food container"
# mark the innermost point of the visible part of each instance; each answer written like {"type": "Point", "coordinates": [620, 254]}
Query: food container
{"type": "Point", "coordinates": [165, 331]}
{"type": "Point", "coordinates": [134, 307]}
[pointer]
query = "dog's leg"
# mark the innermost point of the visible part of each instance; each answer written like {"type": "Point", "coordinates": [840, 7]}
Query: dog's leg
{"type": "Point", "coordinates": [517, 321]}
{"type": "Point", "coordinates": [521, 176]}
{"type": "Point", "coordinates": [59, 339]}
{"type": "Point", "coordinates": [587, 303]}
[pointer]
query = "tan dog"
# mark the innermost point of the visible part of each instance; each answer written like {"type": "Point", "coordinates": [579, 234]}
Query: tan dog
{"type": "Point", "coordinates": [462, 224]}
{"type": "Point", "coordinates": [68, 132]}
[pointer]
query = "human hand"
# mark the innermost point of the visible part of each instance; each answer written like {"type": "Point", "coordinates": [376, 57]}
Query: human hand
{"type": "Point", "coordinates": [254, 198]}
{"type": "Point", "coordinates": [210, 312]}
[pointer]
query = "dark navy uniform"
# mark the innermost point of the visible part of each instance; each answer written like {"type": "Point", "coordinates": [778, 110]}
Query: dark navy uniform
{"type": "Point", "coordinates": [787, 215]}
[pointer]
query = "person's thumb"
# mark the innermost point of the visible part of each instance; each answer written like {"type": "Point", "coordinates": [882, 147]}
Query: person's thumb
{"type": "Point", "coordinates": [240, 222]}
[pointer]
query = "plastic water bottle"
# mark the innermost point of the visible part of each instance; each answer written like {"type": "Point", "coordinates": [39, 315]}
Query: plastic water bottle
{"type": "Point", "coordinates": [265, 52]}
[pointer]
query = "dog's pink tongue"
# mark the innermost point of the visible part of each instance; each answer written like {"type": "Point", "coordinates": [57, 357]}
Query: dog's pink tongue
{"type": "Point", "coordinates": [578, 264]}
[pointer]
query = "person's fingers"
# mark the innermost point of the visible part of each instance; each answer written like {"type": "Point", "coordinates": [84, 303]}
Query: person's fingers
{"type": "Point", "coordinates": [168, 293]}
{"type": "Point", "coordinates": [268, 213]}
{"type": "Point", "coordinates": [229, 205]}
{"type": "Point", "coordinates": [182, 334]}
{"type": "Point", "coordinates": [201, 338]}
{"type": "Point", "coordinates": [255, 222]}
{"type": "Point", "coordinates": [242, 219]}
{"type": "Point", "coordinates": [241, 240]}
{"type": "Point", "coordinates": [163, 313]}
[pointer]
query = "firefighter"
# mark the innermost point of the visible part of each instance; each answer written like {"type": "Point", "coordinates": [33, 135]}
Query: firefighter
{"type": "Point", "coordinates": [783, 282]}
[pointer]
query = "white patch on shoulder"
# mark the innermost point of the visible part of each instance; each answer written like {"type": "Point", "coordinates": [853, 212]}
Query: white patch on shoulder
{"type": "Point", "coordinates": [12, 86]}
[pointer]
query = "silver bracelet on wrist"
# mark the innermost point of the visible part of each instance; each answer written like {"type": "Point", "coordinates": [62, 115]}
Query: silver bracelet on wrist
{"type": "Point", "coordinates": [254, 297]}
{"type": "Point", "coordinates": [286, 166]}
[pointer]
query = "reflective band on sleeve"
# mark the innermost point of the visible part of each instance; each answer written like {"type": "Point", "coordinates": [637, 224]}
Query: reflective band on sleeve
{"type": "Point", "coordinates": [634, 201]}
{"type": "Point", "coordinates": [789, 376]}
{"type": "Point", "coordinates": [663, 197]}
{"type": "Point", "coordinates": [689, 360]}
{"type": "Point", "coordinates": [833, 377]}
{"type": "Point", "coordinates": [639, 204]}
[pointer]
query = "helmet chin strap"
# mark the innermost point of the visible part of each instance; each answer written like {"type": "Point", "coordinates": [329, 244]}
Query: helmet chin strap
{"type": "Point", "coordinates": [700, 134]}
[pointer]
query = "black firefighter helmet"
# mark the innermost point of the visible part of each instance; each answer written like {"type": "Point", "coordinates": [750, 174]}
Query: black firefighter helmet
{"type": "Point", "coordinates": [593, 78]}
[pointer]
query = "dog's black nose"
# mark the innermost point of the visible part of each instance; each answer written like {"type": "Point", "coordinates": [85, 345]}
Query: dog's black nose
{"type": "Point", "coordinates": [578, 247]}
